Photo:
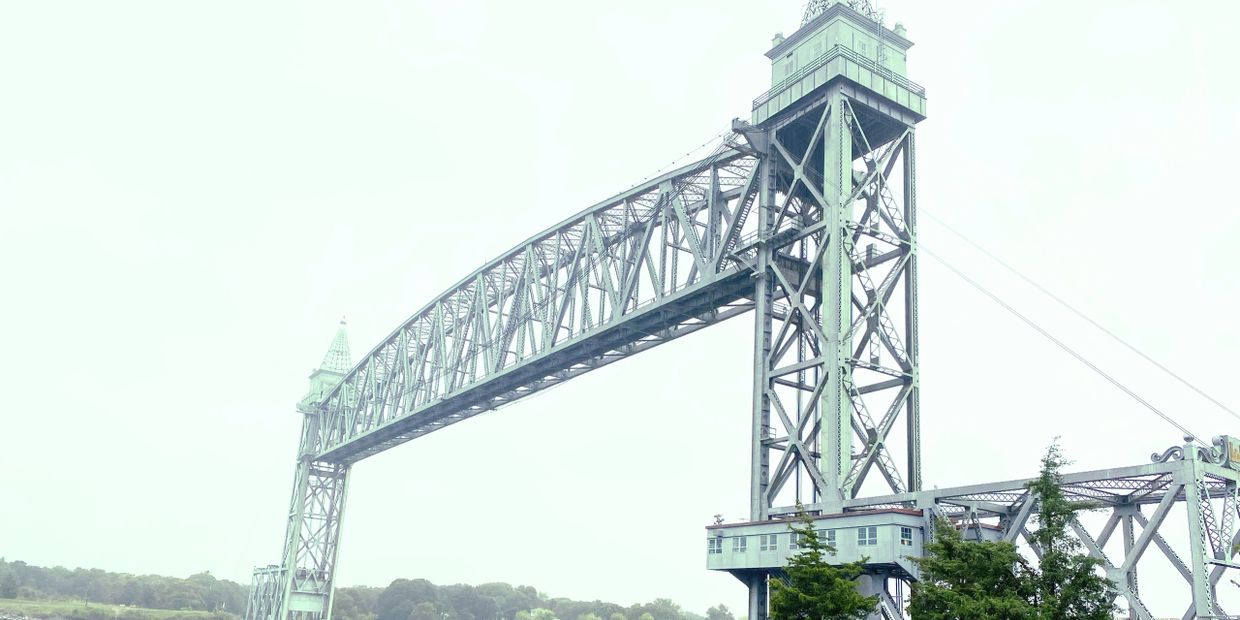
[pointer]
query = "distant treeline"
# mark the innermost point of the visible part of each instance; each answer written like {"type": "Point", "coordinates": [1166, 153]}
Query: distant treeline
{"type": "Point", "coordinates": [404, 599]}
{"type": "Point", "coordinates": [200, 592]}
{"type": "Point", "coordinates": [419, 599]}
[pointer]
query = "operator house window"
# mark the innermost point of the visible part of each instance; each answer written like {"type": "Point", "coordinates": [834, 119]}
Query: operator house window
{"type": "Point", "coordinates": [769, 542]}
{"type": "Point", "coordinates": [793, 539]}
{"type": "Point", "coordinates": [827, 536]}
{"type": "Point", "coordinates": [867, 536]}
{"type": "Point", "coordinates": [739, 544]}
{"type": "Point", "coordinates": [714, 546]}
{"type": "Point", "coordinates": [906, 537]}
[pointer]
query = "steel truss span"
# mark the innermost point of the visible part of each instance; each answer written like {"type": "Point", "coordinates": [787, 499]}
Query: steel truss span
{"type": "Point", "coordinates": [660, 261]}
{"type": "Point", "coordinates": [807, 218]}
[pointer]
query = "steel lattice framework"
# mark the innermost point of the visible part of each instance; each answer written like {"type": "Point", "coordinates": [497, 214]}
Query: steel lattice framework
{"type": "Point", "coordinates": [1190, 479]}
{"type": "Point", "coordinates": [660, 261]}
{"type": "Point", "coordinates": [806, 217]}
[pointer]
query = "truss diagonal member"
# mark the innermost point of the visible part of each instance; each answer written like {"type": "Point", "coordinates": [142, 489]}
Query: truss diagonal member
{"type": "Point", "coordinates": [878, 169]}
{"type": "Point", "coordinates": [882, 294]}
{"type": "Point", "coordinates": [689, 228]}
{"type": "Point", "coordinates": [798, 303]}
{"type": "Point", "coordinates": [1017, 523]}
{"type": "Point", "coordinates": [1170, 553]}
{"type": "Point", "coordinates": [795, 442]}
{"type": "Point", "coordinates": [874, 446]}
{"type": "Point", "coordinates": [1149, 529]}
{"type": "Point", "coordinates": [1032, 542]}
{"type": "Point", "coordinates": [1094, 549]}
{"type": "Point", "coordinates": [799, 174]}
{"type": "Point", "coordinates": [1108, 528]}
{"type": "Point", "coordinates": [737, 224]}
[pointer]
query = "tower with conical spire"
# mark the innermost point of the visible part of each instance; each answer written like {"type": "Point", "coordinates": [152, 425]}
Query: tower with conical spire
{"type": "Point", "coordinates": [336, 362]}
{"type": "Point", "coordinates": [300, 587]}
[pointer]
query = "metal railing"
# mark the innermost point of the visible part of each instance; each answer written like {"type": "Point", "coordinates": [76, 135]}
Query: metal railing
{"type": "Point", "coordinates": [838, 51]}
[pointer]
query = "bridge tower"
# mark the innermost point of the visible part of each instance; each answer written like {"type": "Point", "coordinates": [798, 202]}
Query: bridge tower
{"type": "Point", "coordinates": [835, 394]}
{"type": "Point", "coordinates": [807, 217]}
{"type": "Point", "coordinates": [300, 587]}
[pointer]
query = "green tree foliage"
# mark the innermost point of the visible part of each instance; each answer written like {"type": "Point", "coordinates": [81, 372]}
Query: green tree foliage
{"type": "Point", "coordinates": [814, 589]}
{"type": "Point", "coordinates": [402, 596]}
{"type": "Point", "coordinates": [354, 603]}
{"type": "Point", "coordinates": [966, 580]}
{"type": "Point", "coordinates": [403, 599]}
{"type": "Point", "coordinates": [8, 581]}
{"type": "Point", "coordinates": [719, 612]}
{"type": "Point", "coordinates": [1068, 584]}
{"type": "Point", "coordinates": [426, 610]}
{"type": "Point", "coordinates": [200, 592]}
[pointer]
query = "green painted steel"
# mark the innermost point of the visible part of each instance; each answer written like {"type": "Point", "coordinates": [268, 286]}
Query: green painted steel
{"type": "Point", "coordinates": [839, 42]}
{"type": "Point", "coordinates": [807, 216]}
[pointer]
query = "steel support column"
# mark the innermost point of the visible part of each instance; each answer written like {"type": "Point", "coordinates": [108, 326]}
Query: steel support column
{"type": "Point", "coordinates": [301, 588]}
{"type": "Point", "coordinates": [834, 338]}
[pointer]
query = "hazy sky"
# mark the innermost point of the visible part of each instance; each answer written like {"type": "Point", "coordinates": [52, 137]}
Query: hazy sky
{"type": "Point", "coordinates": [193, 194]}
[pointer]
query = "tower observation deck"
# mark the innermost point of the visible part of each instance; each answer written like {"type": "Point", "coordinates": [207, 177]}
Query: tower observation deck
{"type": "Point", "coordinates": [805, 216]}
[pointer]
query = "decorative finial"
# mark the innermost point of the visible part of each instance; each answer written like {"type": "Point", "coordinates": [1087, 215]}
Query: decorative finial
{"type": "Point", "coordinates": [814, 8]}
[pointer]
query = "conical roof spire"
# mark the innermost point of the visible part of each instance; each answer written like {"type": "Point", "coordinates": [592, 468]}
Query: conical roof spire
{"type": "Point", "coordinates": [336, 363]}
{"type": "Point", "coordinates": [338, 359]}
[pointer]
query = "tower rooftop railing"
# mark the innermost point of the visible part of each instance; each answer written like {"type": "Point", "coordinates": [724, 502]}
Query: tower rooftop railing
{"type": "Point", "coordinates": [835, 52]}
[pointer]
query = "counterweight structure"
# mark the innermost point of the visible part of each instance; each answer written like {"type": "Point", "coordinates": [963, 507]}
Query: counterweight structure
{"type": "Point", "coordinates": [806, 215]}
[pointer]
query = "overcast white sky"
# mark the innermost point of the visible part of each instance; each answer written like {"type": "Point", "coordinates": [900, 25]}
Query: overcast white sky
{"type": "Point", "coordinates": [192, 194]}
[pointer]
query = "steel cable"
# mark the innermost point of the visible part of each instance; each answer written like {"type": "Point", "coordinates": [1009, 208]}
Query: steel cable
{"type": "Point", "coordinates": [1061, 344]}
{"type": "Point", "coordinates": [1082, 315]}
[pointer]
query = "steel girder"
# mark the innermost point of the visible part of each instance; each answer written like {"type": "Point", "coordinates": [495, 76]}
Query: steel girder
{"type": "Point", "coordinates": [649, 265]}
{"type": "Point", "coordinates": [1139, 501]}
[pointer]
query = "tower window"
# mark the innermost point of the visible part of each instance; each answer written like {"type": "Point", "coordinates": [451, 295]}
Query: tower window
{"type": "Point", "coordinates": [769, 542]}
{"type": "Point", "coordinates": [793, 540]}
{"type": "Point", "coordinates": [906, 537]}
{"type": "Point", "coordinates": [714, 546]}
{"type": "Point", "coordinates": [739, 544]}
{"type": "Point", "coordinates": [827, 536]}
{"type": "Point", "coordinates": [867, 536]}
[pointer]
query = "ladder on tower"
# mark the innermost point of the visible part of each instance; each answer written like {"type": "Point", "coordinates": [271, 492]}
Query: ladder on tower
{"type": "Point", "coordinates": [880, 37]}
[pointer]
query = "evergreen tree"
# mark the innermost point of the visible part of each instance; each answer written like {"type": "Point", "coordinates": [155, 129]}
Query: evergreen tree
{"type": "Point", "coordinates": [966, 580]}
{"type": "Point", "coordinates": [1068, 584]}
{"type": "Point", "coordinates": [814, 589]}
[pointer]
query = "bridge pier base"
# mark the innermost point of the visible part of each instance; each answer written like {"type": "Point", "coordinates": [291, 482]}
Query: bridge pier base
{"type": "Point", "coordinates": [758, 595]}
